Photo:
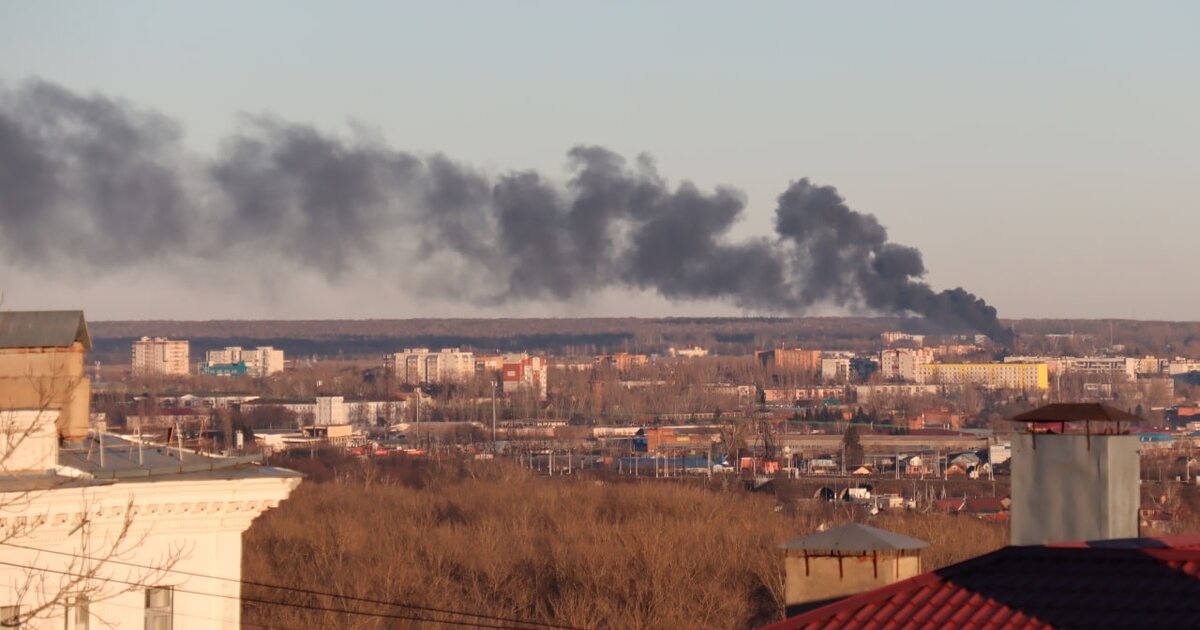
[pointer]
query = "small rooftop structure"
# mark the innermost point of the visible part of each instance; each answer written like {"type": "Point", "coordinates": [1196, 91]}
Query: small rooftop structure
{"type": "Point", "coordinates": [843, 561]}
{"type": "Point", "coordinates": [43, 385]}
{"type": "Point", "coordinates": [1139, 582]}
{"type": "Point", "coordinates": [855, 538]}
{"type": "Point", "coordinates": [1087, 413]}
{"type": "Point", "coordinates": [1072, 485]}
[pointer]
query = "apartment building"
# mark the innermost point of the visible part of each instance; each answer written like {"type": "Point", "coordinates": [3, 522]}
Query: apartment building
{"type": "Point", "coordinates": [420, 365]}
{"type": "Point", "coordinates": [835, 369]}
{"type": "Point", "coordinates": [160, 356]}
{"type": "Point", "coordinates": [622, 361]}
{"type": "Point", "coordinates": [991, 375]}
{"type": "Point", "coordinates": [893, 336]}
{"type": "Point", "coordinates": [522, 372]}
{"type": "Point", "coordinates": [260, 361]}
{"type": "Point", "coordinates": [789, 360]}
{"type": "Point", "coordinates": [900, 364]}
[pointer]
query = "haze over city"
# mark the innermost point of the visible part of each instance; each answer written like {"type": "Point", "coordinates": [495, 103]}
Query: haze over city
{"type": "Point", "coordinates": [1038, 157]}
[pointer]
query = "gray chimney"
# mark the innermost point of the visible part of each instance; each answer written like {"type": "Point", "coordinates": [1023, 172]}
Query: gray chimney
{"type": "Point", "coordinates": [1075, 475]}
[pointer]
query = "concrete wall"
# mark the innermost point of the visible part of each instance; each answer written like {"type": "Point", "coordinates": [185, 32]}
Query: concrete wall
{"type": "Point", "coordinates": [828, 577]}
{"type": "Point", "coordinates": [28, 441]}
{"type": "Point", "coordinates": [1064, 490]}
{"type": "Point", "coordinates": [48, 379]}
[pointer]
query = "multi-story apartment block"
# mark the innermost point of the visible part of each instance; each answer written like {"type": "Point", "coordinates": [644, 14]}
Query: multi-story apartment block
{"type": "Point", "coordinates": [1151, 366]}
{"type": "Point", "coordinates": [487, 365]}
{"type": "Point", "coordinates": [1101, 365]}
{"type": "Point", "coordinates": [808, 361]}
{"type": "Point", "coordinates": [160, 356]}
{"type": "Point", "coordinates": [900, 364]}
{"type": "Point", "coordinates": [521, 371]}
{"type": "Point", "coordinates": [261, 361]}
{"type": "Point", "coordinates": [991, 375]}
{"type": "Point", "coordinates": [835, 369]}
{"type": "Point", "coordinates": [1182, 366]}
{"type": "Point", "coordinates": [892, 336]}
{"type": "Point", "coordinates": [419, 365]}
{"type": "Point", "coordinates": [623, 361]}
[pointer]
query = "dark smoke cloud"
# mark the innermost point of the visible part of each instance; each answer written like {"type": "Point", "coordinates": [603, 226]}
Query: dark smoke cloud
{"type": "Point", "coordinates": [89, 180]}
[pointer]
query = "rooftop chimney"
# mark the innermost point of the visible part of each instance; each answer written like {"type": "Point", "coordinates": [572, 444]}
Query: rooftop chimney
{"type": "Point", "coordinates": [1075, 475]}
{"type": "Point", "coordinates": [845, 561]}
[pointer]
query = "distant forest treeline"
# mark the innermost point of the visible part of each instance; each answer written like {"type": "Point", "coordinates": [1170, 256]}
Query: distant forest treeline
{"type": "Point", "coordinates": [584, 336]}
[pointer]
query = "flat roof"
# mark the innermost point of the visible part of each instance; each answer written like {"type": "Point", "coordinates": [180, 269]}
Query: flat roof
{"type": "Point", "coordinates": [855, 537]}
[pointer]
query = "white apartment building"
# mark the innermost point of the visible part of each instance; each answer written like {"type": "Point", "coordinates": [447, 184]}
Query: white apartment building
{"type": "Point", "coordinates": [1182, 366]}
{"type": "Point", "coordinates": [901, 363]}
{"type": "Point", "coordinates": [155, 531]}
{"type": "Point", "coordinates": [1101, 365]}
{"type": "Point", "coordinates": [261, 361]}
{"type": "Point", "coordinates": [419, 365]}
{"type": "Point", "coordinates": [835, 369]}
{"type": "Point", "coordinates": [160, 356]}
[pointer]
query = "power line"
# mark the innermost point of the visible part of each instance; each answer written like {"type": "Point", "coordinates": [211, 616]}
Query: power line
{"type": "Point", "coordinates": [365, 600]}
{"type": "Point", "coordinates": [303, 591]}
{"type": "Point", "coordinates": [472, 624]}
{"type": "Point", "coordinates": [175, 613]}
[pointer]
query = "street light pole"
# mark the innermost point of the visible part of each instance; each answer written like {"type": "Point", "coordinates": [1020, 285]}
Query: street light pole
{"type": "Point", "coordinates": [493, 419]}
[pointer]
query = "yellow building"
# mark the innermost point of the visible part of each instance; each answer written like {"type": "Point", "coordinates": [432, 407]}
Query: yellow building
{"type": "Point", "coordinates": [992, 375]}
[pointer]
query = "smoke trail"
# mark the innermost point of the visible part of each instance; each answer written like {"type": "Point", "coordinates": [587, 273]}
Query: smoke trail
{"type": "Point", "coordinates": [96, 181]}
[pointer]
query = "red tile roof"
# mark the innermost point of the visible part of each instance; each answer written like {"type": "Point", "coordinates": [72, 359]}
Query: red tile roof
{"type": "Point", "coordinates": [1146, 582]}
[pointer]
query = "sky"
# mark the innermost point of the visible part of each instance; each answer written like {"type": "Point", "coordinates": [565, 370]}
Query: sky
{"type": "Point", "coordinates": [1041, 155]}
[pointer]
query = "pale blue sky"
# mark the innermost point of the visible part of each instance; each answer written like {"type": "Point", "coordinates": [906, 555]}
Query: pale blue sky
{"type": "Point", "coordinates": [1043, 155]}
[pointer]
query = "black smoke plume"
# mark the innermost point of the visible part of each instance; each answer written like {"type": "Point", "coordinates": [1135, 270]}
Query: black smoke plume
{"type": "Point", "coordinates": [96, 181]}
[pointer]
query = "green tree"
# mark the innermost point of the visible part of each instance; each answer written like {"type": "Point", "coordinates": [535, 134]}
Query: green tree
{"type": "Point", "coordinates": [852, 447]}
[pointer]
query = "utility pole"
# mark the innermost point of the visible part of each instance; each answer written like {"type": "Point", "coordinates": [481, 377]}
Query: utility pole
{"type": "Point", "coordinates": [418, 416]}
{"type": "Point", "coordinates": [494, 419]}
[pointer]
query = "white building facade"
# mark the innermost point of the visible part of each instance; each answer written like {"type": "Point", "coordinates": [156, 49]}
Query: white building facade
{"type": "Point", "coordinates": [98, 531]}
{"type": "Point", "coordinates": [260, 362]}
{"type": "Point", "coordinates": [160, 356]}
{"type": "Point", "coordinates": [420, 365]}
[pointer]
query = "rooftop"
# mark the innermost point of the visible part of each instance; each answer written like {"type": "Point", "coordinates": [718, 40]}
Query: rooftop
{"type": "Point", "coordinates": [123, 460]}
{"type": "Point", "coordinates": [1137, 582]}
{"type": "Point", "coordinates": [855, 537]}
{"type": "Point", "coordinates": [1076, 412]}
{"type": "Point", "coordinates": [43, 329]}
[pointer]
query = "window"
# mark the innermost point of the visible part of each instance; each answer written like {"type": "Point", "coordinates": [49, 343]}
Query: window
{"type": "Point", "coordinates": [10, 616]}
{"type": "Point", "coordinates": [158, 608]}
{"type": "Point", "coordinates": [78, 613]}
